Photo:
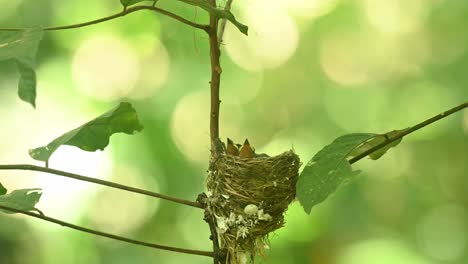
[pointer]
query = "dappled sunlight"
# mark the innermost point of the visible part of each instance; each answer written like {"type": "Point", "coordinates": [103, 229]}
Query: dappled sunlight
{"type": "Point", "coordinates": [155, 67]}
{"type": "Point", "coordinates": [396, 16]}
{"type": "Point", "coordinates": [66, 197]}
{"type": "Point", "coordinates": [382, 251]}
{"type": "Point", "coordinates": [443, 232]}
{"type": "Point", "coordinates": [273, 36]}
{"type": "Point", "coordinates": [132, 210]}
{"type": "Point", "coordinates": [304, 141]}
{"type": "Point", "coordinates": [354, 59]}
{"type": "Point", "coordinates": [105, 67]}
{"type": "Point", "coordinates": [309, 8]}
{"type": "Point", "coordinates": [189, 126]}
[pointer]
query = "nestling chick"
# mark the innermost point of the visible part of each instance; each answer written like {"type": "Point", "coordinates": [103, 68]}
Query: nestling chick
{"type": "Point", "coordinates": [246, 152]}
{"type": "Point", "coordinates": [231, 148]}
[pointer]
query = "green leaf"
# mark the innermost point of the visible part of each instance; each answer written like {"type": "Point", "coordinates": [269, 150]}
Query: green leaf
{"type": "Point", "coordinates": [327, 170]}
{"type": "Point", "coordinates": [127, 3]}
{"type": "Point", "coordinates": [377, 140]}
{"type": "Point", "coordinates": [95, 134]}
{"type": "Point", "coordinates": [221, 13]}
{"type": "Point", "coordinates": [3, 190]}
{"type": "Point", "coordinates": [23, 199]}
{"type": "Point", "coordinates": [21, 47]}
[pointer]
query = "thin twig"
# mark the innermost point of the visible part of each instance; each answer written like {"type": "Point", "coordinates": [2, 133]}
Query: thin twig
{"type": "Point", "coordinates": [222, 28]}
{"type": "Point", "coordinates": [409, 131]}
{"type": "Point", "coordinates": [98, 181]}
{"type": "Point", "coordinates": [115, 237]}
{"type": "Point", "coordinates": [120, 14]}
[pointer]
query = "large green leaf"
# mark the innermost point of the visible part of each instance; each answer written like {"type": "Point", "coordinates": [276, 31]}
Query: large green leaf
{"type": "Point", "coordinates": [327, 170]}
{"type": "Point", "coordinates": [221, 13]}
{"type": "Point", "coordinates": [23, 199]}
{"type": "Point", "coordinates": [377, 140]}
{"type": "Point", "coordinates": [95, 134]}
{"type": "Point", "coordinates": [21, 47]}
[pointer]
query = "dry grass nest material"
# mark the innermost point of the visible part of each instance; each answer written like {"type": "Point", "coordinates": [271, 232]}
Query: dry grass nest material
{"type": "Point", "coordinates": [248, 198]}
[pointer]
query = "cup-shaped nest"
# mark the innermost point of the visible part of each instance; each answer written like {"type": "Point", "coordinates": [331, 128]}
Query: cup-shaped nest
{"type": "Point", "coordinates": [248, 198]}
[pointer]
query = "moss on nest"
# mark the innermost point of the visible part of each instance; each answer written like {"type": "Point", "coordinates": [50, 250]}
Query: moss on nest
{"type": "Point", "coordinates": [248, 198]}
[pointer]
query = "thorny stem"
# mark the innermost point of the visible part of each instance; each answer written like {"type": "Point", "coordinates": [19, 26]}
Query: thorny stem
{"type": "Point", "coordinates": [409, 131]}
{"type": "Point", "coordinates": [111, 236]}
{"type": "Point", "coordinates": [98, 181]}
{"type": "Point", "coordinates": [120, 14]}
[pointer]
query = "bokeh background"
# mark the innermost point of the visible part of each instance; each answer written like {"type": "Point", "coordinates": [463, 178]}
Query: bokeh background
{"type": "Point", "coordinates": [309, 71]}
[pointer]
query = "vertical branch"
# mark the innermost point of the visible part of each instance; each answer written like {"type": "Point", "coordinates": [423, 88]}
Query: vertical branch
{"type": "Point", "coordinates": [215, 53]}
{"type": "Point", "coordinates": [215, 76]}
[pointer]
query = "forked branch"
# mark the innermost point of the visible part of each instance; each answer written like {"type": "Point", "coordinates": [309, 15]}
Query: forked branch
{"type": "Point", "coordinates": [121, 14]}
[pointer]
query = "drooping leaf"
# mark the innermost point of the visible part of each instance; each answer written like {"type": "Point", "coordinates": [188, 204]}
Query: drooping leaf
{"type": "Point", "coordinates": [377, 140]}
{"type": "Point", "coordinates": [327, 170]}
{"type": "Point", "coordinates": [3, 190]}
{"type": "Point", "coordinates": [21, 47]}
{"type": "Point", "coordinates": [221, 13]}
{"type": "Point", "coordinates": [94, 134]}
{"type": "Point", "coordinates": [23, 199]}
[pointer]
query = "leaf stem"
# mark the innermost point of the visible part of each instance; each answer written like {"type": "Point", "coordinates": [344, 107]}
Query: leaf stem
{"type": "Point", "coordinates": [98, 181]}
{"type": "Point", "coordinates": [222, 28]}
{"type": "Point", "coordinates": [111, 236]}
{"type": "Point", "coordinates": [121, 14]}
{"type": "Point", "coordinates": [409, 131]}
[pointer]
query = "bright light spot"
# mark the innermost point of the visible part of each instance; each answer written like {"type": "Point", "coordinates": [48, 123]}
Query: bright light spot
{"type": "Point", "coordinates": [443, 233]}
{"type": "Point", "coordinates": [272, 40]}
{"type": "Point", "coordinates": [189, 126]}
{"type": "Point", "coordinates": [29, 129]}
{"type": "Point", "coordinates": [303, 140]}
{"type": "Point", "coordinates": [68, 197]}
{"type": "Point", "coordinates": [122, 213]}
{"type": "Point", "coordinates": [309, 8]}
{"type": "Point", "coordinates": [154, 72]}
{"type": "Point", "coordinates": [397, 16]}
{"type": "Point", "coordinates": [356, 58]}
{"type": "Point", "coordinates": [380, 251]}
{"type": "Point", "coordinates": [341, 58]}
{"type": "Point", "coordinates": [105, 67]}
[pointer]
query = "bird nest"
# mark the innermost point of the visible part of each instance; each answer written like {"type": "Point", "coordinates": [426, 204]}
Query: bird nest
{"type": "Point", "coordinates": [248, 198]}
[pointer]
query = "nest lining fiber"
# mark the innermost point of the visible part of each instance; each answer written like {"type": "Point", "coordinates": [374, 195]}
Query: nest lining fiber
{"type": "Point", "coordinates": [248, 198]}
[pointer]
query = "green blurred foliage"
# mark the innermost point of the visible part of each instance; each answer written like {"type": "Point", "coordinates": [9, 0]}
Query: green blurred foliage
{"type": "Point", "coordinates": [362, 66]}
